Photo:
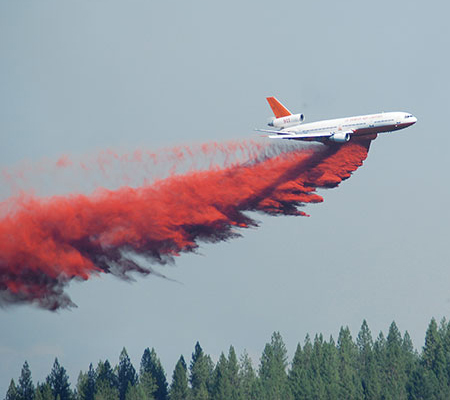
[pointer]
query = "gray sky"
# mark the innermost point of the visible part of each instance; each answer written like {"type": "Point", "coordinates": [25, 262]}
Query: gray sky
{"type": "Point", "coordinates": [78, 77]}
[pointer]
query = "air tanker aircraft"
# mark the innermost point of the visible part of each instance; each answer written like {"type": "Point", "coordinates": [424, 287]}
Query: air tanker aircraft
{"type": "Point", "coordinates": [339, 130]}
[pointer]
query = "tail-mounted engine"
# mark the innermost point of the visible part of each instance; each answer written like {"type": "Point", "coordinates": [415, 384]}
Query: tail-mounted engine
{"type": "Point", "coordinates": [289, 120]}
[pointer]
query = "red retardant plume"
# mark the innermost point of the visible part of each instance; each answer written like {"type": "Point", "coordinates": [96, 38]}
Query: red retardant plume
{"type": "Point", "coordinates": [45, 243]}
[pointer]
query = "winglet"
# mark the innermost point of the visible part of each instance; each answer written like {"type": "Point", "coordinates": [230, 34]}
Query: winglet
{"type": "Point", "coordinates": [278, 109]}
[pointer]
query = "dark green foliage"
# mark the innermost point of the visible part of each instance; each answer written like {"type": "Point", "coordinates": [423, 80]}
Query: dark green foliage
{"type": "Point", "coordinates": [445, 334]}
{"type": "Point", "coordinates": [11, 394]}
{"type": "Point", "coordinates": [147, 385]}
{"type": "Point", "coordinates": [106, 383]}
{"type": "Point", "coordinates": [136, 392]}
{"type": "Point", "coordinates": [248, 381]}
{"type": "Point", "coordinates": [394, 376]}
{"type": "Point", "coordinates": [43, 392]}
{"type": "Point", "coordinates": [316, 367]}
{"type": "Point", "coordinates": [434, 359]}
{"type": "Point", "coordinates": [221, 381]}
{"type": "Point", "coordinates": [106, 392]}
{"type": "Point", "coordinates": [320, 367]}
{"type": "Point", "coordinates": [233, 374]}
{"type": "Point", "coordinates": [25, 389]}
{"type": "Point", "coordinates": [329, 368]}
{"type": "Point", "coordinates": [431, 379]}
{"type": "Point", "coordinates": [105, 375]}
{"type": "Point", "coordinates": [367, 365]}
{"type": "Point", "coordinates": [179, 389]}
{"type": "Point", "coordinates": [349, 383]}
{"type": "Point", "coordinates": [298, 384]}
{"type": "Point", "coordinates": [81, 387]}
{"type": "Point", "coordinates": [201, 374]}
{"type": "Point", "coordinates": [58, 380]}
{"type": "Point", "coordinates": [91, 378]}
{"type": "Point", "coordinates": [387, 369]}
{"type": "Point", "coordinates": [150, 363]}
{"type": "Point", "coordinates": [225, 383]}
{"type": "Point", "coordinates": [314, 370]}
{"type": "Point", "coordinates": [126, 374]}
{"type": "Point", "coordinates": [86, 385]}
{"type": "Point", "coordinates": [272, 370]}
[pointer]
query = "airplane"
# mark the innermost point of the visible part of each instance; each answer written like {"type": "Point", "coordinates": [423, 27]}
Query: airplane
{"type": "Point", "coordinates": [339, 130]}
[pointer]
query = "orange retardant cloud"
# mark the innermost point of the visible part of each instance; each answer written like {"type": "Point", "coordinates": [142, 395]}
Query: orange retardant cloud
{"type": "Point", "coordinates": [63, 161]}
{"type": "Point", "coordinates": [46, 243]}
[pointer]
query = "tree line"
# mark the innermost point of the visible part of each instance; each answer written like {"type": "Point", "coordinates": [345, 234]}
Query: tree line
{"type": "Point", "coordinates": [385, 368]}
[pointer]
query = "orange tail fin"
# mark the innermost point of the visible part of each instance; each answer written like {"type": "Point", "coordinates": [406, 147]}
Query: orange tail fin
{"type": "Point", "coordinates": [278, 109]}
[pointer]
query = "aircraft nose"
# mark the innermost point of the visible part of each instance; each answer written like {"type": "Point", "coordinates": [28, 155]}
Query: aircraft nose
{"type": "Point", "coordinates": [413, 119]}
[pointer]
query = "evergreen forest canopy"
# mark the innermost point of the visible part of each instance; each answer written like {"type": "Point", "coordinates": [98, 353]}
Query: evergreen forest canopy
{"type": "Point", "coordinates": [385, 368]}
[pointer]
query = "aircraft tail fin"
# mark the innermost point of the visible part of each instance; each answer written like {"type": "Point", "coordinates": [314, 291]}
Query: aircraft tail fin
{"type": "Point", "coordinates": [278, 109]}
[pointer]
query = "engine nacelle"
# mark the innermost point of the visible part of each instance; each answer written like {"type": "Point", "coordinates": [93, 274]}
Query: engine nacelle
{"type": "Point", "coordinates": [340, 137]}
{"type": "Point", "coordinates": [289, 120]}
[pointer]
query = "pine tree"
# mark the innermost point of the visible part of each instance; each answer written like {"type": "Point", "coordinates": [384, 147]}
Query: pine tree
{"type": "Point", "coordinates": [303, 377]}
{"type": "Point", "coordinates": [81, 387]}
{"type": "Point", "coordinates": [179, 389]}
{"type": "Point", "coordinates": [432, 356]}
{"type": "Point", "coordinates": [350, 385]}
{"type": "Point", "coordinates": [150, 363]}
{"type": "Point", "coordinates": [434, 362]}
{"type": "Point", "coordinates": [297, 375]}
{"type": "Point", "coordinates": [43, 392]}
{"type": "Point", "coordinates": [317, 361]}
{"type": "Point", "coordinates": [248, 379]}
{"type": "Point", "coordinates": [226, 377]}
{"type": "Point", "coordinates": [395, 378]}
{"type": "Point", "coordinates": [147, 385]}
{"type": "Point", "coordinates": [386, 369]}
{"type": "Point", "coordinates": [12, 394]}
{"type": "Point", "coordinates": [105, 375]}
{"type": "Point", "coordinates": [233, 374]}
{"type": "Point", "coordinates": [422, 384]}
{"type": "Point", "coordinates": [272, 370]}
{"type": "Point", "coordinates": [368, 370]}
{"type": "Point", "coordinates": [86, 385]}
{"type": "Point", "coordinates": [135, 392]}
{"type": "Point", "coordinates": [221, 382]}
{"type": "Point", "coordinates": [106, 392]}
{"type": "Point", "coordinates": [445, 334]}
{"type": "Point", "coordinates": [25, 389]}
{"type": "Point", "coordinates": [91, 378]}
{"type": "Point", "coordinates": [330, 372]}
{"type": "Point", "coordinates": [106, 383]}
{"type": "Point", "coordinates": [310, 373]}
{"type": "Point", "coordinates": [126, 374]}
{"type": "Point", "coordinates": [37, 394]}
{"type": "Point", "coordinates": [411, 362]}
{"type": "Point", "coordinates": [379, 350]}
{"type": "Point", "coordinates": [200, 369]}
{"type": "Point", "coordinates": [58, 381]}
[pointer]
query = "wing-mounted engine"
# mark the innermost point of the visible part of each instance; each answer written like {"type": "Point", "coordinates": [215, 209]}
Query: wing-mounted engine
{"type": "Point", "coordinates": [286, 121]}
{"type": "Point", "coordinates": [340, 137]}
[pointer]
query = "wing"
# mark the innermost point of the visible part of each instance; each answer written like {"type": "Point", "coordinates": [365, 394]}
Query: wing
{"type": "Point", "coordinates": [292, 135]}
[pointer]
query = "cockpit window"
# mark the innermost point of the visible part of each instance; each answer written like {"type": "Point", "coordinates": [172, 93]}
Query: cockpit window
{"type": "Point", "coordinates": [408, 116]}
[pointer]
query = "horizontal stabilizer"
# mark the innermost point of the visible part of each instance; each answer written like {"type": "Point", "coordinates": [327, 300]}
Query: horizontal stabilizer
{"type": "Point", "coordinates": [302, 136]}
{"type": "Point", "coordinates": [292, 135]}
{"type": "Point", "coordinates": [281, 133]}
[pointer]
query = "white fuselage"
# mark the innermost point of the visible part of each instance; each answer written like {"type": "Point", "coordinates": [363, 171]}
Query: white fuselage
{"type": "Point", "coordinates": [354, 126]}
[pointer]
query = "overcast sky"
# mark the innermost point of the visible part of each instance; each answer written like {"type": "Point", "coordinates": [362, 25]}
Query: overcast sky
{"type": "Point", "coordinates": [79, 77]}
